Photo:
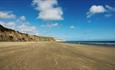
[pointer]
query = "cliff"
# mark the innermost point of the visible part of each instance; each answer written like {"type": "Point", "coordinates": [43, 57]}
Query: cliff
{"type": "Point", "coordinates": [12, 35]}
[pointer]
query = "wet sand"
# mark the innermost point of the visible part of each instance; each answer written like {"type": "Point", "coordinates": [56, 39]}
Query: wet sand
{"type": "Point", "coordinates": [55, 56]}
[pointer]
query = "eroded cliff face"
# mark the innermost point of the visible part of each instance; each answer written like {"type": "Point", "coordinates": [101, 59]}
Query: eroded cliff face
{"type": "Point", "coordinates": [12, 35]}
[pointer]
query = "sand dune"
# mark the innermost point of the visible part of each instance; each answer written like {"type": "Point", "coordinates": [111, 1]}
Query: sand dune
{"type": "Point", "coordinates": [55, 56]}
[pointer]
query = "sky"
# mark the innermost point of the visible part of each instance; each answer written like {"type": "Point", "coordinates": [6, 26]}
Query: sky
{"type": "Point", "coordinates": [78, 20]}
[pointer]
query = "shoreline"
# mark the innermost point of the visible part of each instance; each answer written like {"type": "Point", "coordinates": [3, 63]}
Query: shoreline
{"type": "Point", "coordinates": [99, 45]}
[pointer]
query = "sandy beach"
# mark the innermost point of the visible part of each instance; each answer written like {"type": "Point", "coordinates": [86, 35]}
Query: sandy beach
{"type": "Point", "coordinates": [55, 56]}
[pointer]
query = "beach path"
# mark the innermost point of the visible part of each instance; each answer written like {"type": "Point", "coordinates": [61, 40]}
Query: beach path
{"type": "Point", "coordinates": [55, 56]}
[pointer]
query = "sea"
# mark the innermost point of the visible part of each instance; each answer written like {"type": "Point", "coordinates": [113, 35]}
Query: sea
{"type": "Point", "coordinates": [99, 43]}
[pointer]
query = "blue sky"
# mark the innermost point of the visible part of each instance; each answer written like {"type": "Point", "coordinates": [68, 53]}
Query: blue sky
{"type": "Point", "coordinates": [63, 19]}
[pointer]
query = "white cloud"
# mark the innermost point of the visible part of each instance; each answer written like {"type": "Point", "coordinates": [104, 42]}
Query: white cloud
{"type": "Point", "coordinates": [72, 27]}
{"type": "Point", "coordinates": [21, 25]}
{"type": "Point", "coordinates": [24, 26]}
{"type": "Point", "coordinates": [95, 9]}
{"type": "Point", "coordinates": [48, 10]}
{"type": "Point", "coordinates": [7, 15]}
{"type": "Point", "coordinates": [28, 29]}
{"type": "Point", "coordinates": [23, 18]}
{"type": "Point", "coordinates": [10, 25]}
{"type": "Point", "coordinates": [50, 25]}
{"type": "Point", "coordinates": [110, 8]}
{"type": "Point", "coordinates": [108, 15]}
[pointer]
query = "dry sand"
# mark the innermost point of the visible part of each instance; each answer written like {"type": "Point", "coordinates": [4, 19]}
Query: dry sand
{"type": "Point", "coordinates": [55, 56]}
